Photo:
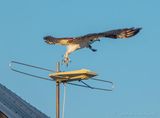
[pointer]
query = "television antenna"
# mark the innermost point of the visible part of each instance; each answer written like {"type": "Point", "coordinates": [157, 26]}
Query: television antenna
{"type": "Point", "coordinates": [63, 78]}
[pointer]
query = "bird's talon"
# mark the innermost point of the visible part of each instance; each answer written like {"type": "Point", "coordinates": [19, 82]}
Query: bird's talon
{"type": "Point", "coordinates": [94, 50]}
{"type": "Point", "coordinates": [66, 61]}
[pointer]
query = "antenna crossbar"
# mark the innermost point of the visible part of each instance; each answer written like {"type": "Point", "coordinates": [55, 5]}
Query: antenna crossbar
{"type": "Point", "coordinates": [29, 74]}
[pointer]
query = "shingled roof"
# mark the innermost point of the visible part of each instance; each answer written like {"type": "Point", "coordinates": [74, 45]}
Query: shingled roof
{"type": "Point", "coordinates": [12, 106]}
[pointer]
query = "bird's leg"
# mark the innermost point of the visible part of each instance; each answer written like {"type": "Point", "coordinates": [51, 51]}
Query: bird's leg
{"type": "Point", "coordinates": [66, 59]}
{"type": "Point", "coordinates": [90, 47]}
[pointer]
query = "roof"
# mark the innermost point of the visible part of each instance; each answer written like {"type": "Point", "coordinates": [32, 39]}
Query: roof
{"type": "Point", "coordinates": [15, 107]}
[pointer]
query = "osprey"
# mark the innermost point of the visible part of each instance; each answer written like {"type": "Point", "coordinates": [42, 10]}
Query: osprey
{"type": "Point", "coordinates": [75, 43]}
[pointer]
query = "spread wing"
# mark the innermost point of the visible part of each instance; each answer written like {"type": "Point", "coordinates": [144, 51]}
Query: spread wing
{"type": "Point", "coordinates": [114, 34]}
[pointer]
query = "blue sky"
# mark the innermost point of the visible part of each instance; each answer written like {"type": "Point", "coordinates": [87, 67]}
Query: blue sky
{"type": "Point", "coordinates": [133, 65]}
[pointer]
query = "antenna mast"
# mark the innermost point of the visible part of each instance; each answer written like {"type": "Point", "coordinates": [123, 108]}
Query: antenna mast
{"type": "Point", "coordinates": [57, 92]}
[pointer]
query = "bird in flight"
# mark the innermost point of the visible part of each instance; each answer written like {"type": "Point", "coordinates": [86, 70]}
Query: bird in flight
{"type": "Point", "coordinates": [76, 43]}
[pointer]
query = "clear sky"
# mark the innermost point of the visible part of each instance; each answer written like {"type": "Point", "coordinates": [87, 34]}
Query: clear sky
{"type": "Point", "coordinates": [133, 65]}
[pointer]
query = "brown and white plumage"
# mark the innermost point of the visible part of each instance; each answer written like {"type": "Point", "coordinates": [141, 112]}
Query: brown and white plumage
{"type": "Point", "coordinates": [86, 40]}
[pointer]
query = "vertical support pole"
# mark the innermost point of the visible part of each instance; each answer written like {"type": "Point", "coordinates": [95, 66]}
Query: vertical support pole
{"type": "Point", "coordinates": [58, 93]}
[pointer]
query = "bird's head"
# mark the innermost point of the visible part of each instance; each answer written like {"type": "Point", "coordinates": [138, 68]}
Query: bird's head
{"type": "Point", "coordinates": [49, 39]}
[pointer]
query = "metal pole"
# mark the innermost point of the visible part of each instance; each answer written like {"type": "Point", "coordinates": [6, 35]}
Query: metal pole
{"type": "Point", "coordinates": [58, 93]}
